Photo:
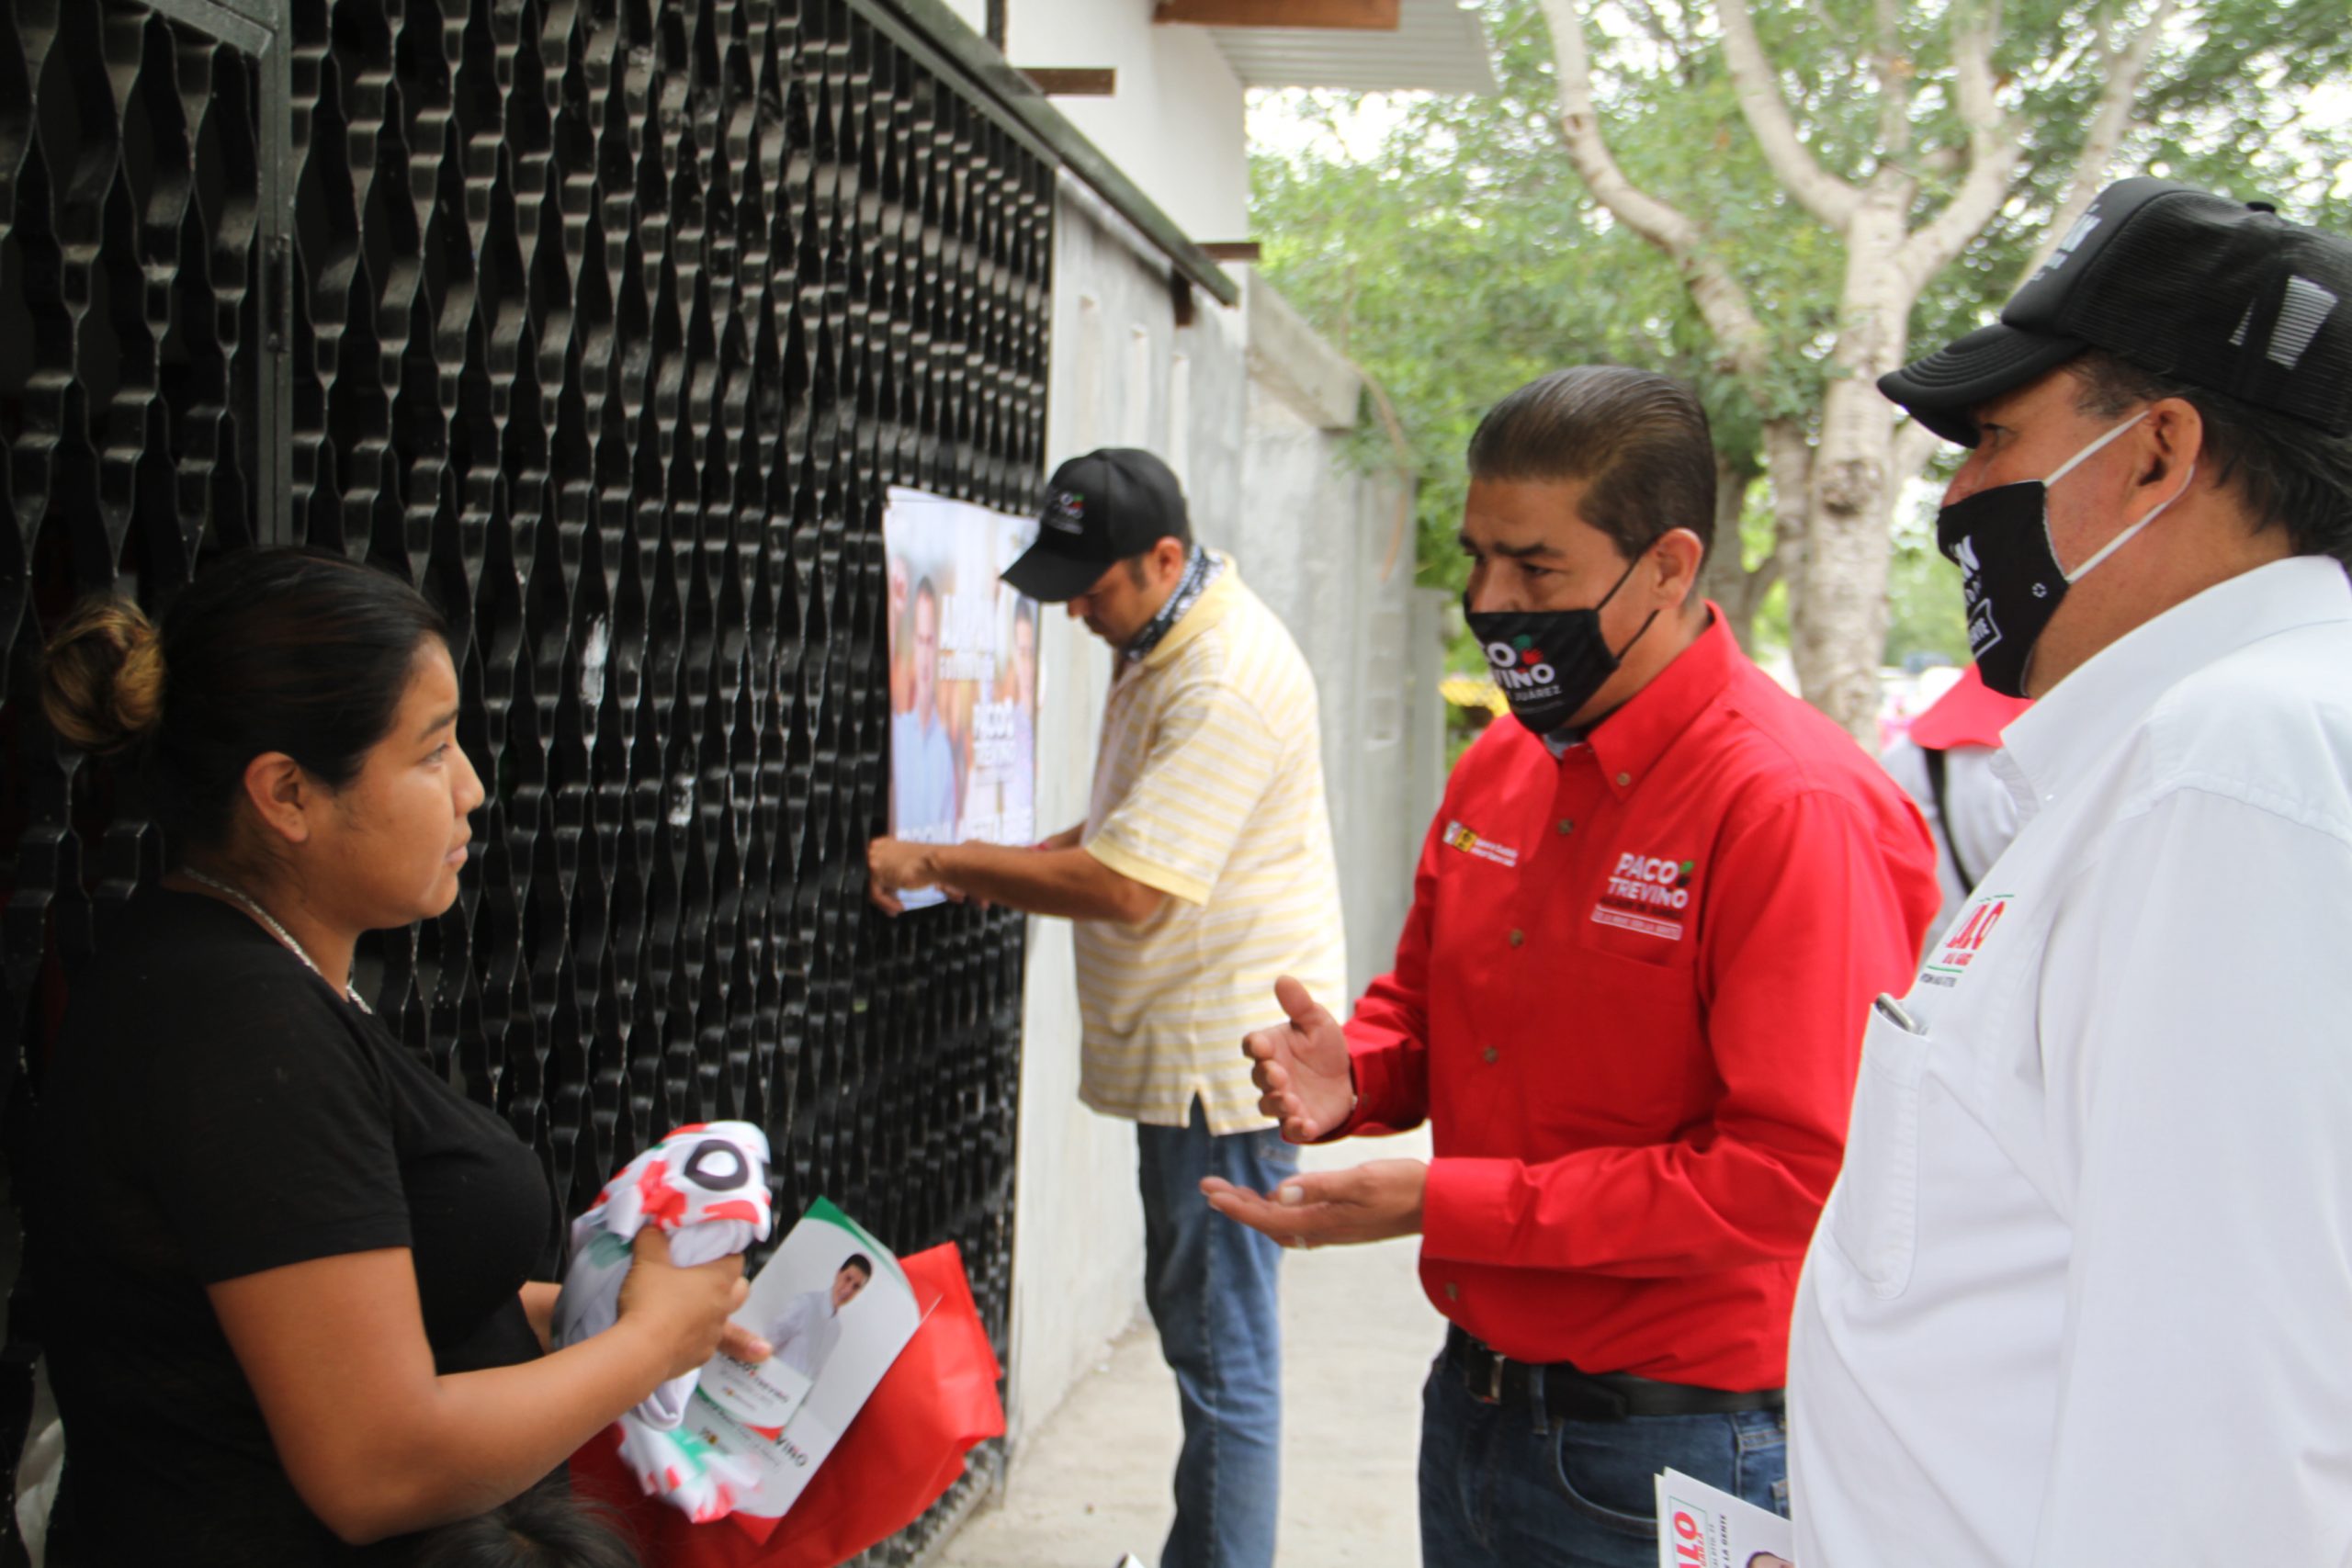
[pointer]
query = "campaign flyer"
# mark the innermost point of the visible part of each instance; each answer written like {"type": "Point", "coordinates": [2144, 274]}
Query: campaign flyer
{"type": "Point", "coordinates": [1701, 1526]}
{"type": "Point", "coordinates": [838, 1309]}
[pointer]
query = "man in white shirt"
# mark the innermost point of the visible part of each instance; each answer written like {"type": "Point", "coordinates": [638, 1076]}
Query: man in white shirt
{"type": "Point", "coordinates": [806, 1331]}
{"type": "Point", "coordinates": [2083, 1292]}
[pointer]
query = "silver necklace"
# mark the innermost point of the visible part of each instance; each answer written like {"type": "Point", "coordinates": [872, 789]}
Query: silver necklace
{"type": "Point", "coordinates": [285, 937]}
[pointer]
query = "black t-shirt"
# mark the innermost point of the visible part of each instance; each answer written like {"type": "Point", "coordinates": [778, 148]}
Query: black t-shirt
{"type": "Point", "coordinates": [214, 1109]}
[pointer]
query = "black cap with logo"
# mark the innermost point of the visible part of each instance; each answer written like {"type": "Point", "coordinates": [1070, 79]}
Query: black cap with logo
{"type": "Point", "coordinates": [2223, 295]}
{"type": "Point", "coordinates": [1110, 506]}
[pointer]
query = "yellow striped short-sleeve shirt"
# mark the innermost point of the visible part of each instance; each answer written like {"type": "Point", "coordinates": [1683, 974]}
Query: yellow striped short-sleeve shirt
{"type": "Point", "coordinates": [1209, 787]}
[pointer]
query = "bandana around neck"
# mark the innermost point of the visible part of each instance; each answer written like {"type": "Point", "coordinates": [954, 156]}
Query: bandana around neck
{"type": "Point", "coordinates": [1201, 569]}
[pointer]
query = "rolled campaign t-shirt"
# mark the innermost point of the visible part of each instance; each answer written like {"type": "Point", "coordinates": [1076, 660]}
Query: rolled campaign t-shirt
{"type": "Point", "coordinates": [214, 1109]}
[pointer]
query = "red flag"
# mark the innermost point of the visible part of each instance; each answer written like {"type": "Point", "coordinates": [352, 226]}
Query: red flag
{"type": "Point", "coordinates": [899, 1456]}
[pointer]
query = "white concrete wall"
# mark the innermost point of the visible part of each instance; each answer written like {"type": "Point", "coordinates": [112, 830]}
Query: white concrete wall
{"type": "Point", "coordinates": [1124, 374]}
{"type": "Point", "coordinates": [1328, 545]}
{"type": "Point", "coordinates": [1177, 125]}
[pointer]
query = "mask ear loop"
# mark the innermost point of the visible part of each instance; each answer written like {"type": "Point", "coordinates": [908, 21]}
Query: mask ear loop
{"type": "Point", "coordinates": [2068, 467]}
{"type": "Point", "coordinates": [1619, 657]}
{"type": "Point", "coordinates": [2118, 542]}
{"type": "Point", "coordinates": [2074, 462]}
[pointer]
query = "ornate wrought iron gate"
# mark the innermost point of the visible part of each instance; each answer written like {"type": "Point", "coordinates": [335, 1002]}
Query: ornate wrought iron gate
{"type": "Point", "coordinates": [607, 322]}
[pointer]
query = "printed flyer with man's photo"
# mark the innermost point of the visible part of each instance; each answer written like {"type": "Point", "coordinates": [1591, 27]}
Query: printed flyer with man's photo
{"type": "Point", "coordinates": [837, 1309]}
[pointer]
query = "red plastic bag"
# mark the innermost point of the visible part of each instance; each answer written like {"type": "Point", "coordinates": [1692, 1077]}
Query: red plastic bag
{"type": "Point", "coordinates": [901, 1455]}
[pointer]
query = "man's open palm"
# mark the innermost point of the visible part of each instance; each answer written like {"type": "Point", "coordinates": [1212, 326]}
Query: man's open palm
{"type": "Point", "coordinates": [1301, 1067]}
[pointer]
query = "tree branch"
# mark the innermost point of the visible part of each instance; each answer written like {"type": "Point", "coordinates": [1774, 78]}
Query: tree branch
{"type": "Point", "coordinates": [1994, 150]}
{"type": "Point", "coordinates": [2110, 123]}
{"type": "Point", "coordinates": [1722, 302]}
{"type": "Point", "coordinates": [1894, 86]}
{"type": "Point", "coordinates": [1823, 194]}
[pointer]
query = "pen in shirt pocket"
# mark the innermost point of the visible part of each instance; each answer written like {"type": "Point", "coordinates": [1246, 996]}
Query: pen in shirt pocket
{"type": "Point", "coordinates": [1895, 1013]}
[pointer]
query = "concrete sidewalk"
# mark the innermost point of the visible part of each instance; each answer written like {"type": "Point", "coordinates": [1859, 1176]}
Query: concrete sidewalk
{"type": "Point", "coordinates": [1094, 1480]}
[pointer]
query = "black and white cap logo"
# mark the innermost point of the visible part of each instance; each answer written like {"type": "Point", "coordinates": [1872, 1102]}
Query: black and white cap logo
{"type": "Point", "coordinates": [1065, 511]}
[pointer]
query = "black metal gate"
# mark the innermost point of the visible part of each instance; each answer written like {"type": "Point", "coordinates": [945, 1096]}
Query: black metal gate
{"type": "Point", "coordinates": [607, 322]}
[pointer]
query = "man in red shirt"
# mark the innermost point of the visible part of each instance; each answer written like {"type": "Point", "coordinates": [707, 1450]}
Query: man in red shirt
{"type": "Point", "coordinates": [1646, 928]}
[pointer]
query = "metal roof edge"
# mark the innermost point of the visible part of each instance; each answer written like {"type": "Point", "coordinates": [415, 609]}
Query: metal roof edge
{"type": "Point", "coordinates": [936, 31]}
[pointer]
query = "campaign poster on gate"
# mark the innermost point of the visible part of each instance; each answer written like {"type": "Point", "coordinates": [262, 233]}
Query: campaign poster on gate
{"type": "Point", "coordinates": [963, 674]}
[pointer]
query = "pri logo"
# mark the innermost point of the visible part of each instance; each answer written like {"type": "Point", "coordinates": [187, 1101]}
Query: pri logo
{"type": "Point", "coordinates": [1458, 836]}
{"type": "Point", "coordinates": [1519, 665]}
{"type": "Point", "coordinates": [1065, 510]}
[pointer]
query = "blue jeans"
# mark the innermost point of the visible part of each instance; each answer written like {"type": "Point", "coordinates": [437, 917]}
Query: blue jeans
{"type": "Point", "coordinates": [1211, 1287]}
{"type": "Point", "coordinates": [1502, 1486]}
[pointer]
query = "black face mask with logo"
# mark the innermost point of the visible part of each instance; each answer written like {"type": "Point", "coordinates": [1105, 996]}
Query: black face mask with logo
{"type": "Point", "coordinates": [2009, 572]}
{"type": "Point", "coordinates": [1550, 662]}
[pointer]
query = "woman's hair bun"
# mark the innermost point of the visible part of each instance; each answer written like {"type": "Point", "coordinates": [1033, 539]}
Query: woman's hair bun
{"type": "Point", "coordinates": [102, 682]}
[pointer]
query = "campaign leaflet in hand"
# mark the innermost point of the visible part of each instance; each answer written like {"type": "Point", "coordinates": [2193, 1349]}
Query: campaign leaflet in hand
{"type": "Point", "coordinates": [1701, 1526]}
{"type": "Point", "coordinates": [838, 1309]}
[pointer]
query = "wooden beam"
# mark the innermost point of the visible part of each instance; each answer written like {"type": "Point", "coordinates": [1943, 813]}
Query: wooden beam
{"type": "Point", "coordinates": [1377, 15]}
{"type": "Point", "coordinates": [1073, 82]}
{"type": "Point", "coordinates": [1232, 249]}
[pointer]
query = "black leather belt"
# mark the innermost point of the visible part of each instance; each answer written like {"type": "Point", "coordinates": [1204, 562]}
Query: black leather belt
{"type": "Point", "coordinates": [1573, 1395]}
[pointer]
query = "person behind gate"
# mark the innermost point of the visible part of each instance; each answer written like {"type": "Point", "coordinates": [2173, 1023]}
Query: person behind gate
{"type": "Point", "coordinates": [1204, 870]}
{"type": "Point", "coordinates": [1646, 925]}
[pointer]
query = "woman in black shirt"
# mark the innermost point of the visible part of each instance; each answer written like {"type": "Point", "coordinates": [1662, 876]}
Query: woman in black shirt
{"type": "Point", "coordinates": [288, 1270]}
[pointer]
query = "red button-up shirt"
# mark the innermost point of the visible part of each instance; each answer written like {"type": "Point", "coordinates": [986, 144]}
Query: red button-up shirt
{"type": "Point", "coordinates": [1630, 999]}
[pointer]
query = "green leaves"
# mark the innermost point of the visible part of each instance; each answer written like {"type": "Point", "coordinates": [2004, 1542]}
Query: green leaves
{"type": "Point", "coordinates": [1464, 257]}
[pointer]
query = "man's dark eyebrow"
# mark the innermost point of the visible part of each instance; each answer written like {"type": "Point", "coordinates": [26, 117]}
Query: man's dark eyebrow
{"type": "Point", "coordinates": [1510, 552]}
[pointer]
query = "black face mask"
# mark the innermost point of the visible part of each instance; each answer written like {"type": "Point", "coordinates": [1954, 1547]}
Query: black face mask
{"type": "Point", "coordinates": [1549, 662]}
{"type": "Point", "coordinates": [2009, 573]}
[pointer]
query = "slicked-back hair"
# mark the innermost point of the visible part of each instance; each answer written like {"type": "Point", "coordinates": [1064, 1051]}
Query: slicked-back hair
{"type": "Point", "coordinates": [1637, 440]}
{"type": "Point", "coordinates": [2285, 473]}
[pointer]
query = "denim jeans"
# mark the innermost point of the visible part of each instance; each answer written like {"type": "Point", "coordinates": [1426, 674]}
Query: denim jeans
{"type": "Point", "coordinates": [1211, 1287]}
{"type": "Point", "coordinates": [1502, 1486]}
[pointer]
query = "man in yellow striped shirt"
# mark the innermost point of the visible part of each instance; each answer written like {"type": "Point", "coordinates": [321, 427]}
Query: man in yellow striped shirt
{"type": "Point", "coordinates": [1202, 870]}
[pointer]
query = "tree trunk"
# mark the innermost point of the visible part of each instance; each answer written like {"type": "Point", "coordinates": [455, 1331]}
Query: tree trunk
{"type": "Point", "coordinates": [1726, 578]}
{"type": "Point", "coordinates": [1839, 642]}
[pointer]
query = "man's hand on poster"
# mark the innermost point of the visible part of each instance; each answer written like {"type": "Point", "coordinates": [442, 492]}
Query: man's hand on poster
{"type": "Point", "coordinates": [1302, 1073]}
{"type": "Point", "coordinates": [893, 866]}
{"type": "Point", "coordinates": [1330, 1208]}
{"type": "Point", "coordinates": [1057, 877]}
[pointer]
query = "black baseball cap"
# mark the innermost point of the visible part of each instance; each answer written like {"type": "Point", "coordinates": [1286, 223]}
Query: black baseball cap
{"type": "Point", "coordinates": [2223, 295]}
{"type": "Point", "coordinates": [1110, 506]}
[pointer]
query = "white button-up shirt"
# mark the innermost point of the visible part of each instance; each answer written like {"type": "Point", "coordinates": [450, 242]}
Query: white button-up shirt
{"type": "Point", "coordinates": [2083, 1293]}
